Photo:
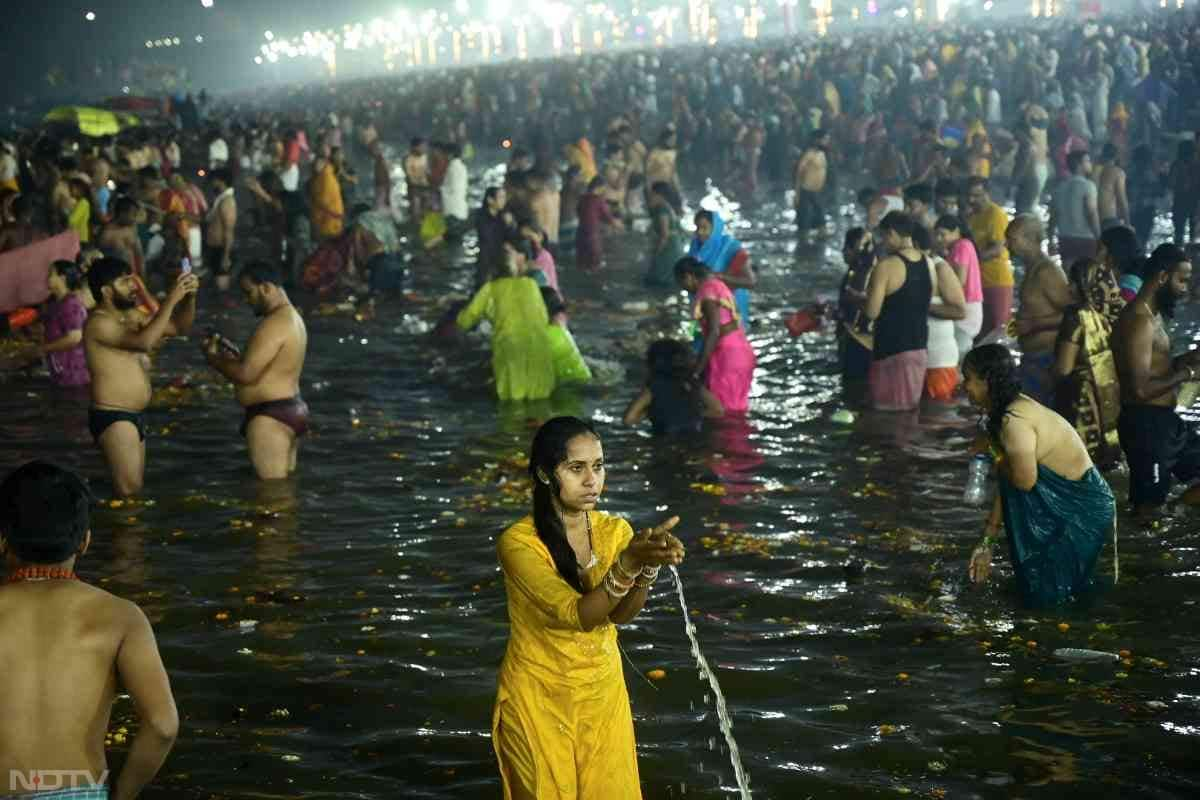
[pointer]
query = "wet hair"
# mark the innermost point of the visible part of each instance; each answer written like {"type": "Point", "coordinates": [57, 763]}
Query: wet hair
{"type": "Point", "coordinates": [921, 237]}
{"type": "Point", "coordinates": [520, 244]}
{"type": "Point", "coordinates": [1122, 245]}
{"type": "Point", "coordinates": [854, 238]}
{"type": "Point", "coordinates": [104, 271]}
{"type": "Point", "coordinates": [453, 149]}
{"type": "Point", "coordinates": [670, 358]}
{"type": "Point", "coordinates": [70, 272]}
{"type": "Point", "coordinates": [595, 183]}
{"type": "Point", "coordinates": [149, 174]}
{"type": "Point", "coordinates": [1164, 259]}
{"type": "Point", "coordinates": [549, 449]}
{"type": "Point", "coordinates": [953, 222]}
{"type": "Point", "coordinates": [554, 302]}
{"type": "Point", "coordinates": [920, 193]}
{"type": "Point", "coordinates": [691, 266]}
{"type": "Point", "coordinates": [994, 364]}
{"type": "Point", "coordinates": [417, 141]}
{"type": "Point", "coordinates": [490, 193]}
{"type": "Point", "coordinates": [44, 512]}
{"type": "Point", "coordinates": [221, 174]}
{"type": "Point", "coordinates": [704, 214]}
{"type": "Point", "coordinates": [669, 193]}
{"type": "Point", "coordinates": [866, 195]}
{"type": "Point", "coordinates": [899, 223]}
{"type": "Point", "coordinates": [1108, 152]}
{"type": "Point", "coordinates": [123, 205]}
{"type": "Point", "coordinates": [1074, 159]}
{"type": "Point", "coordinates": [260, 272]}
{"type": "Point", "coordinates": [637, 181]}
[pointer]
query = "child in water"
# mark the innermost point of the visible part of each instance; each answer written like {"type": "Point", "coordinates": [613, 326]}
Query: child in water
{"type": "Point", "coordinates": [569, 365]}
{"type": "Point", "coordinates": [674, 400]}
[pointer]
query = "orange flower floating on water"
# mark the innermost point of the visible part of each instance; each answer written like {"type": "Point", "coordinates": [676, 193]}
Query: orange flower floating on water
{"type": "Point", "coordinates": [739, 543]}
{"type": "Point", "coordinates": [656, 674]}
{"type": "Point", "coordinates": [709, 488]}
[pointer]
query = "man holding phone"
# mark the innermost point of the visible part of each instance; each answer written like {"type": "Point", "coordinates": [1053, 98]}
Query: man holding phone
{"type": "Point", "coordinates": [267, 377]}
{"type": "Point", "coordinates": [116, 350]}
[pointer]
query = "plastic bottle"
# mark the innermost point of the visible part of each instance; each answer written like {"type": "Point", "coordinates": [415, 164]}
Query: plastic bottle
{"type": "Point", "coordinates": [975, 493]}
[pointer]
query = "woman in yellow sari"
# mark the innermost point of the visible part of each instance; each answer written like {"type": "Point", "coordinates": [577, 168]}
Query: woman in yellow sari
{"type": "Point", "coordinates": [1088, 395]}
{"type": "Point", "coordinates": [580, 154]}
{"type": "Point", "coordinates": [325, 200]}
{"type": "Point", "coordinates": [562, 727]}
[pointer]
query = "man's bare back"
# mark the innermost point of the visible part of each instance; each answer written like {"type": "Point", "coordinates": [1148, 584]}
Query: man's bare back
{"type": "Point", "coordinates": [1045, 294]}
{"type": "Point", "coordinates": [66, 642]}
{"type": "Point", "coordinates": [1111, 193]}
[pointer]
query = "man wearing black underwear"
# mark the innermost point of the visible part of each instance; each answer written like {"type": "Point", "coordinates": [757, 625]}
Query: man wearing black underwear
{"type": "Point", "coordinates": [267, 376]}
{"type": "Point", "coordinates": [116, 343]}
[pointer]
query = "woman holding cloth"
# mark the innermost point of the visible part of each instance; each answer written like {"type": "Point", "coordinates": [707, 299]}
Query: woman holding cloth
{"type": "Point", "coordinates": [726, 358]}
{"type": "Point", "coordinates": [562, 726]}
{"type": "Point", "coordinates": [725, 256]}
{"type": "Point", "coordinates": [1088, 394]}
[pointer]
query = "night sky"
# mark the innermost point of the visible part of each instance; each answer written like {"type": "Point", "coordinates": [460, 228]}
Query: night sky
{"type": "Point", "coordinates": [41, 35]}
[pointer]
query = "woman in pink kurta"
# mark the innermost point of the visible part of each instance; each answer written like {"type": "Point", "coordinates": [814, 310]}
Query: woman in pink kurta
{"type": "Point", "coordinates": [726, 358]}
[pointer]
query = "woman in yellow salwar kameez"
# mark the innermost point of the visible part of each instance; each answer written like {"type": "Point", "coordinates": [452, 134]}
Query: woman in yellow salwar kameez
{"type": "Point", "coordinates": [562, 726]}
{"type": "Point", "coordinates": [1088, 394]}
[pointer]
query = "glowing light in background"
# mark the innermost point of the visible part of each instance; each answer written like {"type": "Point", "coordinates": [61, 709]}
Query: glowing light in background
{"type": "Point", "coordinates": [206, 3]}
{"type": "Point", "coordinates": [90, 16]}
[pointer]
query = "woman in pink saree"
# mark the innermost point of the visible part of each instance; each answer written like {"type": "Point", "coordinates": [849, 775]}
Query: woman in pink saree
{"type": "Point", "coordinates": [726, 358]}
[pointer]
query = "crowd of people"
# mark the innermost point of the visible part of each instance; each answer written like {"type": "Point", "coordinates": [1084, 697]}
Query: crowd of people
{"type": "Point", "coordinates": [943, 130]}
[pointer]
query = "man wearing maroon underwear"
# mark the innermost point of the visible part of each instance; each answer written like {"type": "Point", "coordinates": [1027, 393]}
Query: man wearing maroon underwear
{"type": "Point", "coordinates": [267, 376]}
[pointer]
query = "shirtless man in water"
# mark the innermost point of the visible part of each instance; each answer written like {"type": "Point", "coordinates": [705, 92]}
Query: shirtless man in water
{"type": "Point", "coordinates": [267, 377]}
{"type": "Point", "coordinates": [116, 357]}
{"type": "Point", "coordinates": [1158, 444]}
{"type": "Point", "coordinates": [120, 234]}
{"type": "Point", "coordinates": [808, 181]}
{"type": "Point", "coordinates": [1045, 295]}
{"type": "Point", "coordinates": [1113, 202]}
{"type": "Point", "coordinates": [76, 641]}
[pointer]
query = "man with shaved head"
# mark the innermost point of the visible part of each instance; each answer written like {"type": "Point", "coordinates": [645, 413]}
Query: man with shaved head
{"type": "Point", "coordinates": [1044, 295]}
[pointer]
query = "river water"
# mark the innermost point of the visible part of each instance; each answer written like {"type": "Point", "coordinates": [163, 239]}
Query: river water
{"type": "Point", "coordinates": [338, 636]}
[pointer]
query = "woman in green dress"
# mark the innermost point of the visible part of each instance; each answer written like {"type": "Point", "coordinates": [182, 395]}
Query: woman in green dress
{"type": "Point", "coordinates": [670, 243]}
{"type": "Point", "coordinates": [522, 359]}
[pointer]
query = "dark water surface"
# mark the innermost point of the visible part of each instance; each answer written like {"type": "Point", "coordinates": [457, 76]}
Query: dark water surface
{"type": "Point", "coordinates": [338, 636]}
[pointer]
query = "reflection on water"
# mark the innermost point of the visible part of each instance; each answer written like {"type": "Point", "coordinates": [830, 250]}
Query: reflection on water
{"type": "Point", "coordinates": [337, 635]}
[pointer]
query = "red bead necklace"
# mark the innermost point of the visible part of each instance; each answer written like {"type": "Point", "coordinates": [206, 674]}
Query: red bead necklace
{"type": "Point", "coordinates": [37, 573]}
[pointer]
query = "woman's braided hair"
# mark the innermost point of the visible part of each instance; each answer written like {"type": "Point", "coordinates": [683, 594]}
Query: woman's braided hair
{"type": "Point", "coordinates": [994, 364]}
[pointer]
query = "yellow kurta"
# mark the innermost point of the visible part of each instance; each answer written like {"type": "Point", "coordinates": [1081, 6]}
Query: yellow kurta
{"type": "Point", "coordinates": [562, 727]}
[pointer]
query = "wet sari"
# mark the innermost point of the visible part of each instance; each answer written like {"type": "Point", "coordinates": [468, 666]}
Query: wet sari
{"type": "Point", "coordinates": [1090, 397]}
{"type": "Point", "coordinates": [1056, 531]}
{"type": "Point", "coordinates": [721, 252]}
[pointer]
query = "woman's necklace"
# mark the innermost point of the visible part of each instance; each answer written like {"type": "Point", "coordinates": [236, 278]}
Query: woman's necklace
{"type": "Point", "coordinates": [587, 519]}
{"type": "Point", "coordinates": [592, 559]}
{"type": "Point", "coordinates": [26, 574]}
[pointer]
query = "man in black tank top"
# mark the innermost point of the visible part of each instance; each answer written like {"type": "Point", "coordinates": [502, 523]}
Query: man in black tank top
{"type": "Point", "coordinates": [898, 297]}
